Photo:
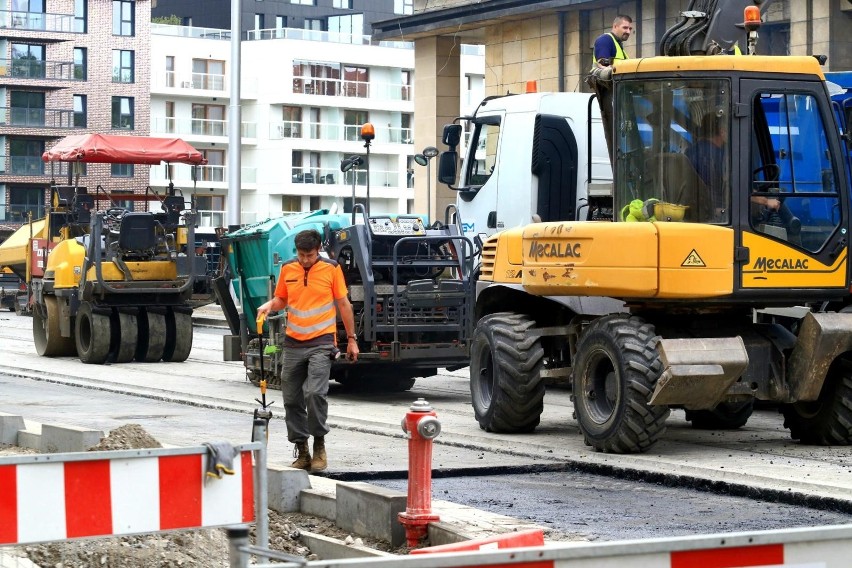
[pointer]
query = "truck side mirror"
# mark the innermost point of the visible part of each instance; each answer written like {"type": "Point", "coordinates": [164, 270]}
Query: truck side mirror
{"type": "Point", "coordinates": [452, 135]}
{"type": "Point", "coordinates": [447, 167]}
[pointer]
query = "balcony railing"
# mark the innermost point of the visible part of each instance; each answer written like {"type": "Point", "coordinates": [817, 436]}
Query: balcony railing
{"type": "Point", "coordinates": [333, 176]}
{"type": "Point", "coordinates": [197, 81]}
{"type": "Point", "coordinates": [285, 129]}
{"type": "Point", "coordinates": [37, 21]}
{"type": "Point", "coordinates": [210, 218]}
{"type": "Point", "coordinates": [189, 31]}
{"type": "Point", "coordinates": [35, 69]}
{"type": "Point", "coordinates": [182, 174]}
{"type": "Point", "coordinates": [31, 166]}
{"type": "Point", "coordinates": [341, 132]}
{"type": "Point", "coordinates": [328, 37]}
{"type": "Point", "coordinates": [307, 85]}
{"type": "Point", "coordinates": [199, 127]}
{"type": "Point", "coordinates": [37, 117]}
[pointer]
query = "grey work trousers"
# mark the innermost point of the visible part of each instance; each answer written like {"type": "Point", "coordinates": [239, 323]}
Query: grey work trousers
{"type": "Point", "coordinates": [304, 383]}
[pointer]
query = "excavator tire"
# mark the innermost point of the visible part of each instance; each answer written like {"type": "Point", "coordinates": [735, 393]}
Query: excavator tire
{"type": "Point", "coordinates": [152, 336]}
{"type": "Point", "coordinates": [826, 421]}
{"type": "Point", "coordinates": [125, 332]}
{"type": "Point", "coordinates": [92, 335]}
{"type": "Point", "coordinates": [506, 386]}
{"type": "Point", "coordinates": [726, 416]}
{"type": "Point", "coordinates": [615, 371]}
{"type": "Point", "coordinates": [46, 335]}
{"type": "Point", "coordinates": [178, 336]}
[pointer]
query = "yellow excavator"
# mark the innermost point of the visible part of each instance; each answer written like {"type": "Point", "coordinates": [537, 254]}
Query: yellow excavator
{"type": "Point", "coordinates": [723, 277]}
{"type": "Point", "coordinates": [106, 283]}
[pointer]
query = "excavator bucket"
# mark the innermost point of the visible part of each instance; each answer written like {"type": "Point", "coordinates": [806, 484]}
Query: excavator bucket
{"type": "Point", "coordinates": [698, 372]}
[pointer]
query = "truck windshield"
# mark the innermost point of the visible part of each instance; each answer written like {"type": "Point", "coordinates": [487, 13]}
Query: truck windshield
{"type": "Point", "coordinates": [672, 151]}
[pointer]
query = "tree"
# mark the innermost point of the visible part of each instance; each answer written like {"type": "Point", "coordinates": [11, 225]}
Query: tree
{"type": "Point", "coordinates": [170, 20]}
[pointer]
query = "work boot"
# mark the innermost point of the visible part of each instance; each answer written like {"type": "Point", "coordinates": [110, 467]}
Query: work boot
{"type": "Point", "coordinates": [320, 462]}
{"type": "Point", "coordinates": [302, 455]}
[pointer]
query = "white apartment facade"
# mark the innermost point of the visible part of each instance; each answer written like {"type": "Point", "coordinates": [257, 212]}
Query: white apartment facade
{"type": "Point", "coordinates": [303, 97]}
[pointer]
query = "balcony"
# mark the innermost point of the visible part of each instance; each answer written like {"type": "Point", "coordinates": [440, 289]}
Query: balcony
{"type": "Point", "coordinates": [285, 129]}
{"type": "Point", "coordinates": [210, 218]}
{"type": "Point", "coordinates": [15, 213]}
{"type": "Point", "coordinates": [189, 81]}
{"type": "Point", "coordinates": [328, 37]}
{"type": "Point", "coordinates": [20, 68]}
{"type": "Point", "coordinates": [37, 117]}
{"type": "Point", "coordinates": [333, 176]}
{"type": "Point", "coordinates": [338, 131]}
{"type": "Point", "coordinates": [306, 85]}
{"type": "Point", "coordinates": [190, 127]}
{"type": "Point", "coordinates": [36, 21]}
{"type": "Point", "coordinates": [210, 176]}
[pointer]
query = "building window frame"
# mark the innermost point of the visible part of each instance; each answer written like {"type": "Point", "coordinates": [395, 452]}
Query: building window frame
{"type": "Point", "coordinates": [123, 17]}
{"type": "Point", "coordinates": [123, 66]}
{"type": "Point", "coordinates": [81, 16]}
{"type": "Point", "coordinates": [81, 70]}
{"type": "Point", "coordinates": [80, 111]}
{"type": "Point", "coordinates": [123, 113]}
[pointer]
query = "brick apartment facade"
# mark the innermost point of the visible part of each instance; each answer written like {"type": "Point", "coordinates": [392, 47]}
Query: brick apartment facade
{"type": "Point", "coordinates": [69, 67]}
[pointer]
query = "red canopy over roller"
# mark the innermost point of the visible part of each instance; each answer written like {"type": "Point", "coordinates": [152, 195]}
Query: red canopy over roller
{"type": "Point", "coordinates": [112, 149]}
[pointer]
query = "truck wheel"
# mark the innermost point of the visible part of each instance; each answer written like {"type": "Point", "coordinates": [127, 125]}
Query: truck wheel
{"type": "Point", "coordinates": [506, 387]}
{"type": "Point", "coordinates": [152, 336]}
{"type": "Point", "coordinates": [726, 416]}
{"type": "Point", "coordinates": [178, 336]}
{"type": "Point", "coordinates": [615, 371]}
{"type": "Point", "coordinates": [92, 335]}
{"type": "Point", "coordinates": [46, 335]}
{"type": "Point", "coordinates": [125, 331]}
{"type": "Point", "coordinates": [826, 421]}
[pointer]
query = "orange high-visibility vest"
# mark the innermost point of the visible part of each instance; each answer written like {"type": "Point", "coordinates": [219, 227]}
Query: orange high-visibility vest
{"type": "Point", "coordinates": [310, 296]}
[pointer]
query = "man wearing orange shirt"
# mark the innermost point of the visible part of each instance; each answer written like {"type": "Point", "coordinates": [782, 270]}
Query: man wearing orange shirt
{"type": "Point", "coordinates": [310, 287]}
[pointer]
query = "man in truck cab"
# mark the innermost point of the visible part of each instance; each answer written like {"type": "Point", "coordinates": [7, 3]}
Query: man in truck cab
{"type": "Point", "coordinates": [310, 287]}
{"type": "Point", "coordinates": [609, 46]}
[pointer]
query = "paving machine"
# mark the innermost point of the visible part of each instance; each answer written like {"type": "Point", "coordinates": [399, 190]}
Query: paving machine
{"type": "Point", "coordinates": [731, 199]}
{"type": "Point", "coordinates": [108, 284]}
{"type": "Point", "coordinates": [408, 283]}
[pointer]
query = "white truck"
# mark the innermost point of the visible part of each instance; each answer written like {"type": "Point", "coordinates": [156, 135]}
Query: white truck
{"type": "Point", "coordinates": [532, 156]}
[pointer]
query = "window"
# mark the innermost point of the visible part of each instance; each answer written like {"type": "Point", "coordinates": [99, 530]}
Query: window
{"type": "Point", "coordinates": [28, 14]}
{"type": "Point", "coordinates": [80, 67]}
{"type": "Point", "coordinates": [280, 22]}
{"type": "Point", "coordinates": [356, 81]}
{"type": "Point", "coordinates": [304, 2]}
{"type": "Point", "coordinates": [186, 21]}
{"type": "Point", "coordinates": [403, 6]}
{"type": "Point", "coordinates": [208, 74]}
{"type": "Point", "coordinates": [25, 200]}
{"type": "Point", "coordinates": [80, 118]}
{"type": "Point", "coordinates": [292, 122]}
{"type": "Point", "coordinates": [170, 117]}
{"type": "Point", "coordinates": [406, 136]}
{"type": "Point", "coordinates": [794, 190]}
{"type": "Point", "coordinates": [122, 113]}
{"type": "Point", "coordinates": [215, 168]}
{"type": "Point", "coordinates": [310, 78]}
{"type": "Point", "coordinates": [122, 66]}
{"type": "Point", "coordinates": [291, 203]}
{"type": "Point", "coordinates": [170, 70]}
{"type": "Point", "coordinates": [121, 170]}
{"type": "Point", "coordinates": [486, 134]}
{"type": "Point", "coordinates": [25, 158]}
{"type": "Point", "coordinates": [344, 4]}
{"type": "Point", "coordinates": [314, 24]}
{"type": "Point", "coordinates": [405, 79]}
{"type": "Point", "coordinates": [673, 149]}
{"type": "Point", "coordinates": [208, 120]}
{"type": "Point", "coordinates": [352, 120]}
{"type": "Point", "coordinates": [258, 22]}
{"type": "Point", "coordinates": [351, 25]}
{"type": "Point", "coordinates": [81, 16]}
{"type": "Point", "coordinates": [27, 108]}
{"type": "Point", "coordinates": [297, 170]}
{"type": "Point", "coordinates": [123, 18]}
{"type": "Point", "coordinates": [28, 61]}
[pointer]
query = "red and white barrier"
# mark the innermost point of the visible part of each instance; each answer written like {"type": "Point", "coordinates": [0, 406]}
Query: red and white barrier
{"type": "Point", "coordinates": [53, 497]}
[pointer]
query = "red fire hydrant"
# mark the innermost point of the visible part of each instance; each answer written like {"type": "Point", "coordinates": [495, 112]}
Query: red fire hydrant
{"type": "Point", "coordinates": [422, 426]}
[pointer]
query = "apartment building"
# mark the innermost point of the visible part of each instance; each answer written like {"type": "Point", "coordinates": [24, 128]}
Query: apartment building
{"type": "Point", "coordinates": [304, 95]}
{"type": "Point", "coordinates": [68, 67]}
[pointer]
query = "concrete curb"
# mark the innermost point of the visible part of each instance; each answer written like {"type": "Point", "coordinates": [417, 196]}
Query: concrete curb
{"type": "Point", "coordinates": [365, 510]}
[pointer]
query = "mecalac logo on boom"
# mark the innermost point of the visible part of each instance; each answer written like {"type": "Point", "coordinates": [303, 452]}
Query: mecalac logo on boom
{"type": "Point", "coordinates": [780, 264]}
{"type": "Point", "coordinates": [561, 249]}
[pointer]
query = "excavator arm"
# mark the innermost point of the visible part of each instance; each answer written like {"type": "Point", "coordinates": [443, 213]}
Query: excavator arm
{"type": "Point", "coordinates": [709, 27]}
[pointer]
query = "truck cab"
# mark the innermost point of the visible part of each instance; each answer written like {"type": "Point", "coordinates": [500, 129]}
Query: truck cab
{"type": "Point", "coordinates": [535, 156]}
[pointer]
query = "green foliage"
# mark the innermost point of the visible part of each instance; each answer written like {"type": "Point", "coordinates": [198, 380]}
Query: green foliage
{"type": "Point", "coordinates": [171, 20]}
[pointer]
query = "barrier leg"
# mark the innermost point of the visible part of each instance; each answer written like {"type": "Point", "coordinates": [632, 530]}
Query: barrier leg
{"type": "Point", "coordinates": [261, 498]}
{"type": "Point", "coordinates": [237, 541]}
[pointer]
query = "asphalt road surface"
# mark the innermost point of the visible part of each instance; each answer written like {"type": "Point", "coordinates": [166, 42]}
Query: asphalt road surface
{"type": "Point", "coordinates": [554, 479]}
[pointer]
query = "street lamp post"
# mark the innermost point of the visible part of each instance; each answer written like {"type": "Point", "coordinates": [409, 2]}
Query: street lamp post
{"type": "Point", "coordinates": [425, 159]}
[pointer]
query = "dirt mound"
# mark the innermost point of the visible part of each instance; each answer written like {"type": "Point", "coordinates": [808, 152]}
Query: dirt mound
{"type": "Point", "coordinates": [127, 437]}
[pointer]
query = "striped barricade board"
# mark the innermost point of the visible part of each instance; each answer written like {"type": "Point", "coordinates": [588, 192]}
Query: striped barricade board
{"type": "Point", "coordinates": [54, 497]}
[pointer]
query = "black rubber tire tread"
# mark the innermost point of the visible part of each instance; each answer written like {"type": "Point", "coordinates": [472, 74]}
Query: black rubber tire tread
{"type": "Point", "coordinates": [628, 345]}
{"type": "Point", "coordinates": [125, 333]}
{"type": "Point", "coordinates": [152, 336]}
{"type": "Point", "coordinates": [506, 386]}
{"type": "Point", "coordinates": [373, 381]}
{"type": "Point", "coordinates": [828, 420]}
{"type": "Point", "coordinates": [178, 336]}
{"type": "Point", "coordinates": [726, 416]}
{"type": "Point", "coordinates": [92, 334]}
{"type": "Point", "coordinates": [46, 335]}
